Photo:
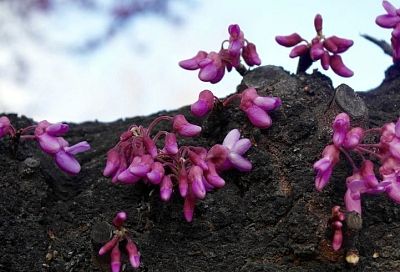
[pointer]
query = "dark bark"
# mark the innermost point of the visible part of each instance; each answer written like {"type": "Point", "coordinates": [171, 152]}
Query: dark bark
{"type": "Point", "coordinates": [271, 219]}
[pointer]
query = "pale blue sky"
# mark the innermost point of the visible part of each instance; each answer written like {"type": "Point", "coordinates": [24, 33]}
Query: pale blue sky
{"type": "Point", "coordinates": [116, 82]}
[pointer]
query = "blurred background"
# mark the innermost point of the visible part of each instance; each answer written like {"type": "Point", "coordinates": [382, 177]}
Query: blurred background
{"type": "Point", "coordinates": [80, 60]}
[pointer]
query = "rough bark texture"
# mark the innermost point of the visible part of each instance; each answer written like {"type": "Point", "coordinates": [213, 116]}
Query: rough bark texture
{"type": "Point", "coordinates": [271, 219]}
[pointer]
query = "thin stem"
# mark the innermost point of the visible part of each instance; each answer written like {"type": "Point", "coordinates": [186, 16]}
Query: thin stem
{"type": "Point", "coordinates": [241, 69]}
{"type": "Point", "coordinates": [370, 145]}
{"type": "Point", "coordinates": [360, 154]}
{"type": "Point", "coordinates": [12, 131]}
{"type": "Point", "coordinates": [373, 130]}
{"type": "Point", "coordinates": [27, 137]}
{"type": "Point", "coordinates": [158, 135]}
{"type": "Point", "coordinates": [27, 129]}
{"type": "Point", "coordinates": [349, 159]}
{"type": "Point", "coordinates": [305, 62]}
{"type": "Point", "coordinates": [230, 98]}
{"type": "Point", "coordinates": [158, 120]}
{"type": "Point", "coordinates": [369, 152]}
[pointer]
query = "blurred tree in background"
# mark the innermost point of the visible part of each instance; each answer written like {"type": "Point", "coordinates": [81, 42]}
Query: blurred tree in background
{"type": "Point", "coordinates": [67, 26]}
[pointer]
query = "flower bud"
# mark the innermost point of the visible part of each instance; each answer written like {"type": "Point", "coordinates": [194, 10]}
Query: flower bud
{"type": "Point", "coordinates": [338, 66]}
{"type": "Point", "coordinates": [183, 127]}
{"type": "Point", "coordinates": [289, 40]}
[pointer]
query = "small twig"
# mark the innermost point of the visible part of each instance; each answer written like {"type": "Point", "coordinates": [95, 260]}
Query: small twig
{"type": "Point", "coordinates": [386, 47]}
{"type": "Point", "coordinates": [241, 69]}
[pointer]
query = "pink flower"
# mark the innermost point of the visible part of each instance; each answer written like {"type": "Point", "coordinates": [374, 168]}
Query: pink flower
{"type": "Point", "coordinates": [324, 167]}
{"type": "Point", "coordinates": [166, 188]}
{"type": "Point", "coordinates": [340, 126]}
{"type": "Point", "coordinates": [257, 107]}
{"type": "Point", "coordinates": [361, 182]}
{"type": "Point", "coordinates": [338, 66]}
{"type": "Point", "coordinates": [48, 137]}
{"type": "Point", "coordinates": [183, 127]}
{"type": "Point", "coordinates": [320, 48]}
{"type": "Point", "coordinates": [250, 55]}
{"type": "Point", "coordinates": [353, 138]}
{"type": "Point", "coordinates": [193, 63]}
{"type": "Point", "coordinates": [4, 126]}
{"type": "Point", "coordinates": [236, 40]}
{"type": "Point", "coordinates": [289, 40]}
{"type": "Point", "coordinates": [133, 253]}
{"type": "Point", "coordinates": [204, 105]}
{"type": "Point", "coordinates": [235, 147]}
{"type": "Point", "coordinates": [212, 68]}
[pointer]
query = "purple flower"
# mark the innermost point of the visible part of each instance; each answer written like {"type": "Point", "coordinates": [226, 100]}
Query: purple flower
{"type": "Point", "coordinates": [256, 107]}
{"type": "Point", "coordinates": [47, 135]}
{"type": "Point", "coordinates": [338, 66]}
{"type": "Point", "coordinates": [320, 48]}
{"type": "Point", "coordinates": [133, 253]}
{"type": "Point", "coordinates": [361, 182]}
{"type": "Point", "coordinates": [193, 63]}
{"type": "Point", "coordinates": [337, 218]}
{"type": "Point", "coordinates": [183, 127]}
{"type": "Point", "coordinates": [324, 167]}
{"type": "Point", "coordinates": [156, 174]}
{"type": "Point", "coordinates": [250, 55]}
{"type": "Point", "coordinates": [337, 45]}
{"type": "Point", "coordinates": [337, 235]}
{"type": "Point", "coordinates": [113, 162]}
{"type": "Point", "coordinates": [299, 50]}
{"type": "Point", "coordinates": [212, 65]}
{"type": "Point", "coordinates": [392, 186]}
{"type": "Point", "coordinates": [391, 20]}
{"type": "Point", "coordinates": [166, 188]}
{"type": "Point", "coordinates": [171, 146]}
{"type": "Point", "coordinates": [204, 105]}
{"type": "Point", "coordinates": [4, 126]}
{"type": "Point", "coordinates": [236, 148]}
{"type": "Point", "coordinates": [183, 182]}
{"type": "Point", "coordinates": [318, 23]}
{"type": "Point", "coordinates": [65, 159]}
{"type": "Point", "coordinates": [340, 126]}
{"type": "Point", "coordinates": [212, 68]}
{"type": "Point", "coordinates": [213, 177]}
{"type": "Point", "coordinates": [188, 207]}
{"type": "Point", "coordinates": [236, 40]}
{"type": "Point", "coordinates": [120, 234]}
{"type": "Point", "coordinates": [115, 259]}
{"type": "Point", "coordinates": [119, 219]}
{"type": "Point", "coordinates": [195, 177]}
{"type": "Point", "coordinates": [353, 138]}
{"type": "Point", "coordinates": [289, 40]}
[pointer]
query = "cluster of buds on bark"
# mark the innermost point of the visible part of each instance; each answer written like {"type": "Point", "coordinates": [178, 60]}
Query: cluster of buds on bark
{"type": "Point", "coordinates": [336, 222]}
{"type": "Point", "coordinates": [255, 106]}
{"type": "Point", "coordinates": [363, 180]}
{"type": "Point", "coordinates": [50, 140]}
{"type": "Point", "coordinates": [347, 140]}
{"type": "Point", "coordinates": [113, 246]}
{"type": "Point", "coordinates": [391, 20]}
{"type": "Point", "coordinates": [212, 65]}
{"type": "Point", "coordinates": [326, 50]}
{"type": "Point", "coordinates": [194, 170]}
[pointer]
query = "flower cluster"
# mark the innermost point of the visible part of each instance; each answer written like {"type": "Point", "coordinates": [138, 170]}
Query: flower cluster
{"type": "Point", "coordinates": [195, 170]}
{"type": "Point", "coordinates": [50, 140]}
{"type": "Point", "coordinates": [212, 65]}
{"type": "Point", "coordinates": [363, 180]}
{"type": "Point", "coordinates": [391, 20]}
{"type": "Point", "coordinates": [255, 106]}
{"type": "Point", "coordinates": [120, 234]}
{"type": "Point", "coordinates": [326, 50]}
